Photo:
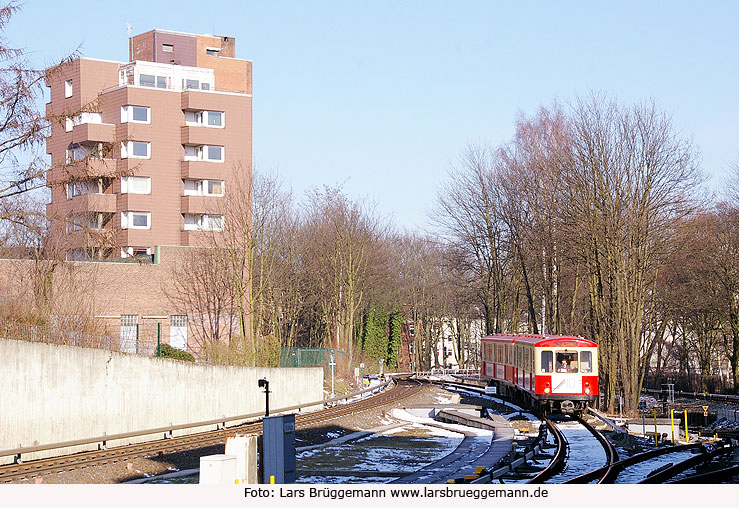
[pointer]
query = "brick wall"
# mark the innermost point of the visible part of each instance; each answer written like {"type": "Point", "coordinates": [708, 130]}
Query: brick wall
{"type": "Point", "coordinates": [104, 290]}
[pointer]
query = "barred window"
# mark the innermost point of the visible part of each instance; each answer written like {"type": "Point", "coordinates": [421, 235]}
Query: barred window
{"type": "Point", "coordinates": [129, 320]}
{"type": "Point", "coordinates": [179, 321]}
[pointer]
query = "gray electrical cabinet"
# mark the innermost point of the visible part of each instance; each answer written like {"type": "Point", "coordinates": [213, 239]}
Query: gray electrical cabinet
{"type": "Point", "coordinates": [278, 448]}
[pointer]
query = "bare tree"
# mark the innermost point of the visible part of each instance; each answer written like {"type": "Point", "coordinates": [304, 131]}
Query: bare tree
{"type": "Point", "coordinates": [630, 180]}
{"type": "Point", "coordinates": [342, 238]}
{"type": "Point", "coordinates": [468, 214]}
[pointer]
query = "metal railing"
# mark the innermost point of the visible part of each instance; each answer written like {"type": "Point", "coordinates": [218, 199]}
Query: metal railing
{"type": "Point", "coordinates": [144, 342]}
{"type": "Point", "coordinates": [168, 430]}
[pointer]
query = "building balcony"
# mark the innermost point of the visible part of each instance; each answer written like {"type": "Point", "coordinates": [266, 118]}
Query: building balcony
{"type": "Point", "coordinates": [94, 203]}
{"type": "Point", "coordinates": [95, 132]}
{"type": "Point", "coordinates": [130, 201]}
{"type": "Point", "coordinates": [136, 237]}
{"type": "Point", "coordinates": [198, 135]}
{"type": "Point", "coordinates": [199, 238]}
{"type": "Point", "coordinates": [192, 99]}
{"type": "Point", "coordinates": [87, 168]}
{"type": "Point", "coordinates": [201, 204]}
{"type": "Point", "coordinates": [202, 170]}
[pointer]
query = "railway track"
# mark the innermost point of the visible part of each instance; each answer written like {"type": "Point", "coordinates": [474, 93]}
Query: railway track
{"type": "Point", "coordinates": [575, 454]}
{"type": "Point", "coordinates": [13, 472]}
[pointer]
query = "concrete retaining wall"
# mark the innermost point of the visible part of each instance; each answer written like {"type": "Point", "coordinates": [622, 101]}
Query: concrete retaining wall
{"type": "Point", "coordinates": [51, 393]}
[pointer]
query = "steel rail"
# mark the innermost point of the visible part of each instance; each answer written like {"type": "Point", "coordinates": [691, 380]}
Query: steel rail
{"type": "Point", "coordinates": [192, 441]}
{"type": "Point", "coordinates": [18, 452]}
{"type": "Point", "coordinates": [710, 476]}
{"type": "Point", "coordinates": [619, 466]}
{"type": "Point", "coordinates": [610, 473]}
{"type": "Point", "coordinates": [717, 397]}
{"type": "Point", "coordinates": [669, 472]}
{"type": "Point", "coordinates": [558, 461]}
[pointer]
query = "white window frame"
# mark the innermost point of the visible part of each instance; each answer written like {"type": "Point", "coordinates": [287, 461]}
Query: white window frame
{"type": "Point", "coordinates": [129, 341]}
{"type": "Point", "coordinates": [127, 184]}
{"type": "Point", "coordinates": [153, 83]}
{"type": "Point", "coordinates": [206, 150]}
{"type": "Point", "coordinates": [127, 220]}
{"type": "Point", "coordinates": [206, 115]}
{"type": "Point", "coordinates": [167, 48]}
{"type": "Point", "coordinates": [200, 119]}
{"type": "Point", "coordinates": [206, 220]}
{"type": "Point", "coordinates": [127, 150]}
{"type": "Point", "coordinates": [129, 251]}
{"type": "Point", "coordinates": [206, 184]}
{"type": "Point", "coordinates": [202, 221]}
{"type": "Point", "coordinates": [201, 151]}
{"type": "Point", "coordinates": [127, 114]}
{"type": "Point", "coordinates": [84, 187]}
{"type": "Point", "coordinates": [68, 88]}
{"type": "Point", "coordinates": [201, 188]}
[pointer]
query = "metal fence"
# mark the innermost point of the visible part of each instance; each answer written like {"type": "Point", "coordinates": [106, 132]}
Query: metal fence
{"type": "Point", "coordinates": [142, 341]}
{"type": "Point", "coordinates": [308, 357]}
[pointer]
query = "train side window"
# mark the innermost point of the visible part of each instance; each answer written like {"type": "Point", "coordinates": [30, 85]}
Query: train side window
{"type": "Point", "coordinates": [547, 361]}
{"type": "Point", "coordinates": [586, 361]}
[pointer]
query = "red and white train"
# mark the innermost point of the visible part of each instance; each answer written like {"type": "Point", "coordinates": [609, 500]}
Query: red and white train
{"type": "Point", "coordinates": [544, 372]}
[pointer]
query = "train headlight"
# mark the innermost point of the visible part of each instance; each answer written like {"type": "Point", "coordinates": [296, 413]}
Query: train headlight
{"type": "Point", "coordinates": [587, 388]}
{"type": "Point", "coordinates": [546, 388]}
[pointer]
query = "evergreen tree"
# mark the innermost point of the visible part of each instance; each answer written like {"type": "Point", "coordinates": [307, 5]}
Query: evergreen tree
{"type": "Point", "coordinates": [374, 341]}
{"type": "Point", "coordinates": [393, 343]}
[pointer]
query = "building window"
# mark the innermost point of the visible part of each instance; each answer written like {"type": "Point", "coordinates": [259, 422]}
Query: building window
{"type": "Point", "coordinates": [68, 89]}
{"type": "Point", "coordinates": [135, 220]}
{"type": "Point", "coordinates": [204, 118]}
{"type": "Point", "coordinates": [205, 86]}
{"type": "Point", "coordinates": [74, 223]}
{"type": "Point", "coordinates": [214, 153]}
{"type": "Point", "coordinates": [84, 187]}
{"type": "Point", "coordinates": [135, 185]}
{"type": "Point", "coordinates": [127, 252]}
{"type": "Point", "coordinates": [209, 153]}
{"type": "Point", "coordinates": [146, 80]}
{"type": "Point", "coordinates": [191, 84]}
{"type": "Point", "coordinates": [168, 48]}
{"type": "Point", "coordinates": [203, 187]}
{"type": "Point", "coordinates": [215, 119]}
{"type": "Point", "coordinates": [136, 149]}
{"type": "Point", "coordinates": [137, 114]}
{"type": "Point", "coordinates": [203, 222]}
{"type": "Point", "coordinates": [162, 82]}
{"type": "Point", "coordinates": [214, 188]}
{"type": "Point", "coordinates": [212, 51]}
{"type": "Point", "coordinates": [178, 332]}
{"type": "Point", "coordinates": [72, 121]}
{"type": "Point", "coordinates": [129, 333]}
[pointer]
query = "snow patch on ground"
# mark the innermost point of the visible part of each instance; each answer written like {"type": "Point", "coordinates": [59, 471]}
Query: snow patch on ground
{"type": "Point", "coordinates": [433, 424]}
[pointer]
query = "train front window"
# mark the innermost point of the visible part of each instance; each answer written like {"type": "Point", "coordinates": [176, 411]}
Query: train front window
{"type": "Point", "coordinates": [547, 364]}
{"type": "Point", "coordinates": [566, 361]}
{"type": "Point", "coordinates": [586, 361]}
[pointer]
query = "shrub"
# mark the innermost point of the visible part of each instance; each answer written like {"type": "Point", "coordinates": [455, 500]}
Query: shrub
{"type": "Point", "coordinates": [176, 354]}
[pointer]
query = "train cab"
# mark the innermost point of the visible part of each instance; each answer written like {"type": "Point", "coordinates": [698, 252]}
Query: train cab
{"type": "Point", "coordinates": [547, 373]}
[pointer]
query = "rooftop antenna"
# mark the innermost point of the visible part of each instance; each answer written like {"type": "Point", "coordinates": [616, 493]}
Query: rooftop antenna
{"type": "Point", "coordinates": [129, 29]}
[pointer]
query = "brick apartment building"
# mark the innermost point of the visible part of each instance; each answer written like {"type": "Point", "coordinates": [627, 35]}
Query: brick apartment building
{"type": "Point", "coordinates": [149, 149]}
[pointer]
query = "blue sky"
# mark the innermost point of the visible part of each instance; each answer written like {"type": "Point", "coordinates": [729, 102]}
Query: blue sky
{"type": "Point", "coordinates": [381, 97]}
